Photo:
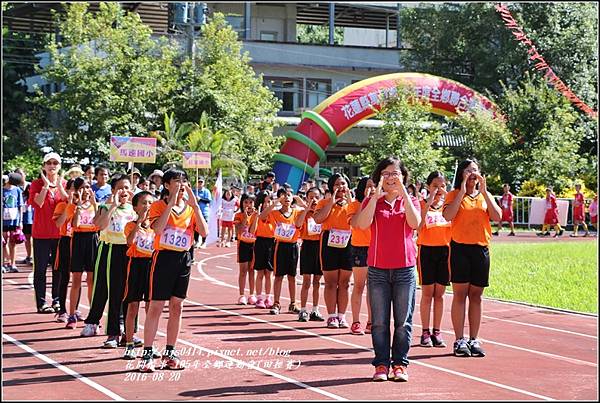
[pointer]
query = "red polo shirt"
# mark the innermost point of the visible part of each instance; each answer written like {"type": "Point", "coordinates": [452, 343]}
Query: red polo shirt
{"type": "Point", "coordinates": [43, 226]}
{"type": "Point", "coordinates": [392, 245]}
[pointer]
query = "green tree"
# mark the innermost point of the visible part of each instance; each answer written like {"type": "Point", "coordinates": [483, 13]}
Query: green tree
{"type": "Point", "coordinates": [409, 133]}
{"type": "Point", "coordinates": [318, 34]}
{"type": "Point", "coordinates": [115, 77]}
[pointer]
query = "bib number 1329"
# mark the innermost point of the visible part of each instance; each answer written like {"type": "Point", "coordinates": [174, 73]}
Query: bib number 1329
{"type": "Point", "coordinates": [175, 239]}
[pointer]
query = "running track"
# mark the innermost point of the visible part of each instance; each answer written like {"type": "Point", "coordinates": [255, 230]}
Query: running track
{"type": "Point", "coordinates": [241, 353]}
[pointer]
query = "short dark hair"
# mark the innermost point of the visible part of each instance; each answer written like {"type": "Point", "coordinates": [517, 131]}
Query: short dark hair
{"type": "Point", "coordinates": [384, 163]}
{"type": "Point", "coordinates": [100, 168]}
{"type": "Point", "coordinates": [333, 178]}
{"type": "Point", "coordinates": [361, 187]}
{"type": "Point", "coordinates": [260, 198]}
{"type": "Point", "coordinates": [433, 175]}
{"type": "Point", "coordinates": [460, 169]}
{"type": "Point", "coordinates": [282, 191]}
{"type": "Point", "coordinates": [79, 182]}
{"type": "Point", "coordinates": [245, 197]}
{"type": "Point", "coordinates": [139, 195]}
{"type": "Point", "coordinates": [174, 173]}
{"type": "Point", "coordinates": [270, 174]}
{"type": "Point", "coordinates": [117, 178]}
{"type": "Point", "coordinates": [15, 178]}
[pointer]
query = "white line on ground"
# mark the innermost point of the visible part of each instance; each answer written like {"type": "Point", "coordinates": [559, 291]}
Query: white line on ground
{"type": "Point", "coordinates": [224, 268]}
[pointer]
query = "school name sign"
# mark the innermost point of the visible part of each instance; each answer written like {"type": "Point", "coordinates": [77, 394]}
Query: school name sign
{"type": "Point", "coordinates": [132, 149]}
{"type": "Point", "coordinates": [196, 160]}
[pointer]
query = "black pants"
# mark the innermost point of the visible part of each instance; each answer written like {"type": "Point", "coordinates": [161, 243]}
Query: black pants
{"type": "Point", "coordinates": [61, 267]}
{"type": "Point", "coordinates": [44, 252]}
{"type": "Point", "coordinates": [110, 275]}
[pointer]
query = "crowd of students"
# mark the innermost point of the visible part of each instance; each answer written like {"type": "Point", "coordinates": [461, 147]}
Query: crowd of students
{"type": "Point", "coordinates": [134, 239]}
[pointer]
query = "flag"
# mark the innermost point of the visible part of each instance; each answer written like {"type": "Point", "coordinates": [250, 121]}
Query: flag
{"type": "Point", "coordinates": [215, 205]}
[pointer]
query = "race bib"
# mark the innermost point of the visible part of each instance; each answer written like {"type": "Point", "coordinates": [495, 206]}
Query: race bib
{"type": "Point", "coordinates": [176, 239]}
{"type": "Point", "coordinates": [69, 229]}
{"type": "Point", "coordinates": [284, 232]}
{"type": "Point", "coordinates": [312, 227]}
{"type": "Point", "coordinates": [435, 219]}
{"type": "Point", "coordinates": [505, 204]}
{"type": "Point", "coordinates": [117, 224]}
{"type": "Point", "coordinates": [144, 242]}
{"type": "Point", "coordinates": [10, 213]}
{"type": "Point", "coordinates": [86, 218]}
{"type": "Point", "coordinates": [227, 215]}
{"type": "Point", "coordinates": [247, 236]}
{"type": "Point", "coordinates": [338, 238]}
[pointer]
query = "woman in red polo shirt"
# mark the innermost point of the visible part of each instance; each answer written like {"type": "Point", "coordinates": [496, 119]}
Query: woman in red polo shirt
{"type": "Point", "coordinates": [393, 215]}
{"type": "Point", "coordinates": [45, 193]}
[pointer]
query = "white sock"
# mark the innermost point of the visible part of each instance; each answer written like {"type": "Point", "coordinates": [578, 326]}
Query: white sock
{"type": "Point", "coordinates": [303, 309]}
{"type": "Point", "coordinates": [342, 316]}
{"type": "Point", "coordinates": [315, 308]}
{"type": "Point", "coordinates": [262, 296]}
{"type": "Point", "coordinates": [333, 315]}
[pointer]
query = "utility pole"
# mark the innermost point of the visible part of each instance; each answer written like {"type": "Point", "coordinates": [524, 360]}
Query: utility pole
{"type": "Point", "coordinates": [191, 47]}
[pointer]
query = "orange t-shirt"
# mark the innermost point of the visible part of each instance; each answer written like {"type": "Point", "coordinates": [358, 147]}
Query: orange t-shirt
{"type": "Point", "coordinates": [360, 237]}
{"type": "Point", "coordinates": [436, 231]}
{"type": "Point", "coordinates": [178, 234]}
{"type": "Point", "coordinates": [86, 218]}
{"type": "Point", "coordinates": [244, 234]}
{"type": "Point", "coordinates": [285, 226]}
{"type": "Point", "coordinates": [143, 243]}
{"type": "Point", "coordinates": [264, 228]}
{"type": "Point", "coordinates": [471, 225]}
{"type": "Point", "coordinates": [310, 231]}
{"type": "Point", "coordinates": [65, 229]}
{"type": "Point", "coordinates": [337, 218]}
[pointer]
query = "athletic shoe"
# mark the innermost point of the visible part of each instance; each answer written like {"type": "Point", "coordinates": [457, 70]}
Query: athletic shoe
{"type": "Point", "coordinates": [436, 338]}
{"type": "Point", "coordinates": [203, 246]}
{"type": "Point", "coordinates": [89, 330]}
{"type": "Point", "coordinates": [316, 316]}
{"type": "Point", "coordinates": [269, 302]}
{"type": "Point", "coordinates": [61, 317]}
{"type": "Point", "coordinates": [368, 328]}
{"type": "Point", "coordinates": [27, 260]}
{"type": "Point", "coordinates": [476, 350]}
{"type": "Point", "coordinates": [293, 308]}
{"type": "Point", "coordinates": [333, 323]}
{"type": "Point", "coordinates": [13, 269]}
{"type": "Point", "coordinates": [399, 373]}
{"type": "Point", "coordinates": [495, 233]}
{"type": "Point", "coordinates": [260, 303]}
{"type": "Point", "coordinates": [461, 348]}
{"type": "Point", "coordinates": [546, 234]}
{"type": "Point", "coordinates": [71, 322]}
{"type": "Point", "coordinates": [573, 235]}
{"type": "Point", "coordinates": [79, 316]}
{"type": "Point", "coordinates": [276, 308]}
{"type": "Point", "coordinates": [156, 353]}
{"type": "Point", "coordinates": [560, 232]}
{"type": "Point", "coordinates": [586, 234]}
{"type": "Point", "coordinates": [251, 300]}
{"type": "Point", "coordinates": [381, 373]}
{"type": "Point", "coordinates": [147, 364]}
{"type": "Point", "coordinates": [198, 244]}
{"type": "Point", "coordinates": [342, 323]}
{"type": "Point", "coordinates": [228, 245]}
{"type": "Point", "coordinates": [357, 329]}
{"type": "Point", "coordinates": [56, 306]}
{"type": "Point", "coordinates": [129, 353]}
{"type": "Point", "coordinates": [511, 234]}
{"type": "Point", "coordinates": [137, 342]}
{"type": "Point", "coordinates": [303, 316]}
{"type": "Point", "coordinates": [171, 361]}
{"type": "Point", "coordinates": [242, 300]}
{"type": "Point", "coordinates": [426, 339]}
{"type": "Point", "coordinates": [111, 342]}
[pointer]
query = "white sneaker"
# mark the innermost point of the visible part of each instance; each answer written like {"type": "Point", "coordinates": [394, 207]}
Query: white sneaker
{"type": "Point", "coordinates": [228, 245]}
{"type": "Point", "coordinates": [62, 318]}
{"type": "Point", "coordinates": [89, 330]}
{"type": "Point", "coordinates": [242, 300]}
{"type": "Point", "coordinates": [203, 246]}
{"type": "Point", "coordinates": [198, 244]}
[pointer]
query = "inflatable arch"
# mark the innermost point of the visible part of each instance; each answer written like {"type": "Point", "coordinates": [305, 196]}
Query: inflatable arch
{"type": "Point", "coordinates": [319, 128]}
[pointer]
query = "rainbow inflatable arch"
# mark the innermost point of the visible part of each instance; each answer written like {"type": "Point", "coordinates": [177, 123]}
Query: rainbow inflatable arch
{"type": "Point", "coordinates": [323, 126]}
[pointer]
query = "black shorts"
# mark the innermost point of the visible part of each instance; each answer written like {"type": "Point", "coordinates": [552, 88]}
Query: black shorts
{"type": "Point", "coordinates": [245, 252]}
{"type": "Point", "coordinates": [63, 255]}
{"type": "Point", "coordinates": [84, 246]}
{"type": "Point", "coordinates": [263, 253]}
{"type": "Point", "coordinates": [9, 228]}
{"type": "Point", "coordinates": [432, 265]}
{"type": "Point", "coordinates": [169, 275]}
{"type": "Point", "coordinates": [359, 256]}
{"type": "Point", "coordinates": [136, 285]}
{"type": "Point", "coordinates": [285, 258]}
{"type": "Point", "coordinates": [310, 261]}
{"type": "Point", "coordinates": [27, 229]}
{"type": "Point", "coordinates": [335, 258]}
{"type": "Point", "coordinates": [469, 264]}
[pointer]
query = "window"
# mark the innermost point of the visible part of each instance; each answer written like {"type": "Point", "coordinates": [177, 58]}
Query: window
{"type": "Point", "coordinates": [317, 90]}
{"type": "Point", "coordinates": [237, 23]}
{"type": "Point", "coordinates": [268, 36]}
{"type": "Point", "coordinates": [289, 90]}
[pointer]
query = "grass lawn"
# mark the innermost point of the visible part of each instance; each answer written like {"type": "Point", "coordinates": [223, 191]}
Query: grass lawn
{"type": "Point", "coordinates": [555, 274]}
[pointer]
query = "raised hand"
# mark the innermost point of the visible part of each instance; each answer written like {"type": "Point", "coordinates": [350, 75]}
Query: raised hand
{"type": "Point", "coordinates": [47, 182]}
{"type": "Point", "coordinates": [463, 185]}
{"type": "Point", "coordinates": [482, 183]}
{"type": "Point", "coordinates": [378, 192]}
{"type": "Point", "coordinates": [174, 193]}
{"type": "Point", "coordinates": [117, 197]}
{"type": "Point", "coordinates": [300, 202]}
{"type": "Point", "coordinates": [191, 200]}
{"type": "Point", "coordinates": [80, 194]}
{"type": "Point", "coordinates": [431, 197]}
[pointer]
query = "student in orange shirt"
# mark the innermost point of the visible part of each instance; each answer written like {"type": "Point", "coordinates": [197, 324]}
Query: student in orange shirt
{"type": "Point", "coordinates": [175, 220]}
{"type": "Point", "coordinates": [263, 251]}
{"type": "Point", "coordinates": [310, 262]}
{"type": "Point", "coordinates": [140, 241]}
{"type": "Point", "coordinates": [360, 248]}
{"type": "Point", "coordinates": [336, 251]}
{"type": "Point", "coordinates": [469, 207]}
{"type": "Point", "coordinates": [432, 259]}
{"type": "Point", "coordinates": [84, 244]}
{"type": "Point", "coordinates": [245, 250]}
{"type": "Point", "coordinates": [282, 217]}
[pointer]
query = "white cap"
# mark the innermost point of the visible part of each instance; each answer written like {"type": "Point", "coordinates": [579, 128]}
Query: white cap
{"type": "Point", "coordinates": [52, 156]}
{"type": "Point", "coordinates": [156, 172]}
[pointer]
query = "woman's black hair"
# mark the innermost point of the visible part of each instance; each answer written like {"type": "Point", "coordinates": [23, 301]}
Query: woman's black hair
{"type": "Point", "coordinates": [433, 175]}
{"type": "Point", "coordinates": [260, 198]}
{"type": "Point", "coordinates": [230, 192]}
{"type": "Point", "coordinates": [384, 163]}
{"type": "Point", "coordinates": [413, 187]}
{"type": "Point", "coordinates": [79, 182]}
{"type": "Point", "coordinates": [171, 173]}
{"type": "Point", "coordinates": [69, 184]}
{"type": "Point", "coordinates": [245, 197]}
{"type": "Point", "coordinates": [460, 169]}
{"type": "Point", "coordinates": [118, 177]}
{"type": "Point", "coordinates": [15, 178]}
{"type": "Point", "coordinates": [361, 187]}
{"type": "Point", "coordinates": [139, 195]}
{"type": "Point", "coordinates": [333, 178]}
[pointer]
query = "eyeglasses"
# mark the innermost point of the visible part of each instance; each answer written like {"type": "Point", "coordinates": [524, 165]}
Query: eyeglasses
{"type": "Point", "coordinates": [393, 174]}
{"type": "Point", "coordinates": [52, 162]}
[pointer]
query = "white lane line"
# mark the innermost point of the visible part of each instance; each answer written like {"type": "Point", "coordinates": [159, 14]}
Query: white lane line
{"type": "Point", "coordinates": [554, 356]}
{"type": "Point", "coordinates": [64, 369]}
{"type": "Point", "coordinates": [234, 360]}
{"type": "Point", "coordinates": [11, 281]}
{"type": "Point", "coordinates": [542, 327]}
{"type": "Point", "coordinates": [224, 268]}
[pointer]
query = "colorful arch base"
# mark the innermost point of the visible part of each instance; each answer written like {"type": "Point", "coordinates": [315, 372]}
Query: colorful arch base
{"type": "Point", "coordinates": [336, 115]}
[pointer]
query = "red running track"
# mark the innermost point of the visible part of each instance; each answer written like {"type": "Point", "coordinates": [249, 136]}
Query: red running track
{"type": "Point", "coordinates": [243, 353]}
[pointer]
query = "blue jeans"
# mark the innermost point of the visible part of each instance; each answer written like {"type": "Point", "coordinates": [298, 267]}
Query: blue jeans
{"type": "Point", "coordinates": [395, 287]}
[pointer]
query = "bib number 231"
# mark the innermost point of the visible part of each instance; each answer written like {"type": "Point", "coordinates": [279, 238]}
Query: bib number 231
{"type": "Point", "coordinates": [338, 238]}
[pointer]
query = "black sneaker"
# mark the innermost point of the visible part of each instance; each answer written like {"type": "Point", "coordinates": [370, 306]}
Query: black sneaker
{"type": "Point", "coordinates": [511, 234]}
{"type": "Point", "coordinates": [461, 348]}
{"type": "Point", "coordinates": [316, 316]}
{"type": "Point", "coordinates": [476, 350]}
{"type": "Point", "coordinates": [495, 233]}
